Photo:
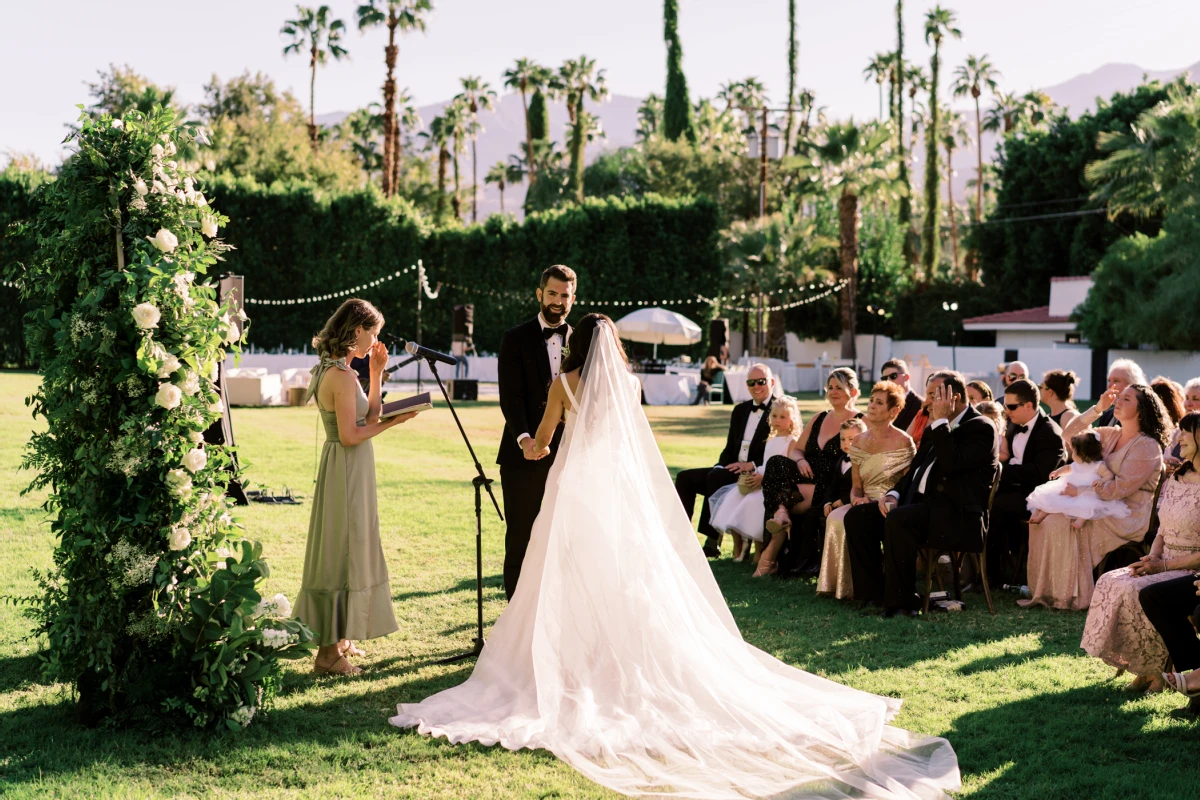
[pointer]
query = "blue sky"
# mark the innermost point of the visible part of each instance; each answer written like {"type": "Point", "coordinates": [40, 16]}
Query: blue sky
{"type": "Point", "coordinates": [48, 50]}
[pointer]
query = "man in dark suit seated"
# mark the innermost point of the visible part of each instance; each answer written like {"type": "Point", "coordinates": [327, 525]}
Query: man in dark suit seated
{"type": "Point", "coordinates": [749, 426]}
{"type": "Point", "coordinates": [940, 502]}
{"type": "Point", "coordinates": [896, 371]}
{"type": "Point", "coordinates": [1033, 448]}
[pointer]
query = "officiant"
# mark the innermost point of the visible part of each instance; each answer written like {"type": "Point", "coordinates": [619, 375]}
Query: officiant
{"type": "Point", "coordinates": [744, 445]}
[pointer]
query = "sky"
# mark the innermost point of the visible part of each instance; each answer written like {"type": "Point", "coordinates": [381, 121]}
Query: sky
{"type": "Point", "coordinates": [49, 51]}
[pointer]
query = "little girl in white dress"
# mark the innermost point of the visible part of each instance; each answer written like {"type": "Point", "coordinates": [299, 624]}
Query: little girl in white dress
{"type": "Point", "coordinates": [1086, 470]}
{"type": "Point", "coordinates": [737, 509]}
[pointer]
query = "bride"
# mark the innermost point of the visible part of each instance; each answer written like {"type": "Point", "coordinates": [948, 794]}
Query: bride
{"type": "Point", "coordinates": [615, 649]}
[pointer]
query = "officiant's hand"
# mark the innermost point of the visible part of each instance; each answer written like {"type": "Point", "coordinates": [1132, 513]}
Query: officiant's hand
{"type": "Point", "coordinates": [378, 355]}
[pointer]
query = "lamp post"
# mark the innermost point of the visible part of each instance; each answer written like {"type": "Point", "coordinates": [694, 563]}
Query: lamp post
{"type": "Point", "coordinates": [876, 315]}
{"type": "Point", "coordinates": [952, 308]}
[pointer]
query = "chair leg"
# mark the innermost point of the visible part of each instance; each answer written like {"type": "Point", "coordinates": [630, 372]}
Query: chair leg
{"type": "Point", "coordinates": [955, 563]}
{"type": "Point", "coordinates": [981, 565]}
{"type": "Point", "coordinates": [931, 557]}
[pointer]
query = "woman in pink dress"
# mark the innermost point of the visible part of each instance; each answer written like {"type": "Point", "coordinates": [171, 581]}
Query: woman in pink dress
{"type": "Point", "coordinates": [1061, 557]}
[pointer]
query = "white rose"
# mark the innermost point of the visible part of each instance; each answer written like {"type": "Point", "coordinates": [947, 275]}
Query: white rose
{"type": "Point", "coordinates": [168, 396]}
{"type": "Point", "coordinates": [181, 537]}
{"type": "Point", "coordinates": [200, 200]}
{"type": "Point", "coordinates": [283, 606]}
{"type": "Point", "coordinates": [164, 240]}
{"type": "Point", "coordinates": [191, 384]}
{"type": "Point", "coordinates": [170, 150]}
{"type": "Point", "coordinates": [158, 187]}
{"type": "Point", "coordinates": [212, 374]}
{"type": "Point", "coordinates": [157, 151]}
{"type": "Point", "coordinates": [196, 437]}
{"type": "Point", "coordinates": [140, 187]}
{"type": "Point", "coordinates": [217, 407]}
{"type": "Point", "coordinates": [169, 365]}
{"type": "Point", "coordinates": [180, 483]}
{"type": "Point", "coordinates": [208, 226]}
{"type": "Point", "coordinates": [232, 334]}
{"type": "Point", "coordinates": [146, 316]}
{"type": "Point", "coordinates": [118, 124]}
{"type": "Point", "coordinates": [195, 460]}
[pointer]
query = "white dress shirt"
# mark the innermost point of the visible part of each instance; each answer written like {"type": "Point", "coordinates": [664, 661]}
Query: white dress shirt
{"type": "Point", "coordinates": [1019, 441]}
{"type": "Point", "coordinates": [751, 428]}
{"type": "Point", "coordinates": [925, 475]}
{"type": "Point", "coordinates": [554, 348]}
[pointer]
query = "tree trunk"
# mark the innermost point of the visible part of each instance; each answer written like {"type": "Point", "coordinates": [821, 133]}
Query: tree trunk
{"type": "Point", "coordinates": [791, 104]}
{"type": "Point", "coordinates": [456, 202]}
{"type": "Point", "coordinates": [397, 154]}
{"type": "Point", "coordinates": [929, 231]}
{"type": "Point", "coordinates": [950, 202]}
{"type": "Point", "coordinates": [502, 198]}
{"type": "Point", "coordinates": [848, 251]}
{"type": "Point", "coordinates": [312, 100]}
{"type": "Point", "coordinates": [905, 215]}
{"type": "Point", "coordinates": [389, 106]}
{"type": "Point", "coordinates": [474, 183]}
{"type": "Point", "coordinates": [528, 140]}
{"type": "Point", "coordinates": [443, 157]}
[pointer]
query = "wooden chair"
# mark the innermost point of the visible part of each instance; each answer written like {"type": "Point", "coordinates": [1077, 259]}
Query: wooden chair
{"type": "Point", "coordinates": [1132, 551]}
{"type": "Point", "coordinates": [931, 555]}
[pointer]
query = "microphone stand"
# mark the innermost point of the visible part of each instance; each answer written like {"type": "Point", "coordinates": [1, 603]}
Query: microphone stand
{"type": "Point", "coordinates": [480, 481]}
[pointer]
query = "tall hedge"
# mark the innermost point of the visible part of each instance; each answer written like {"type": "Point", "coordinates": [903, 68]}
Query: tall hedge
{"type": "Point", "coordinates": [19, 203]}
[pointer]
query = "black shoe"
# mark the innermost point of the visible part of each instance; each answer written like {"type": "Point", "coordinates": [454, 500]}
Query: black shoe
{"type": "Point", "coordinates": [893, 611]}
{"type": "Point", "coordinates": [867, 608]}
{"type": "Point", "coordinates": [712, 552]}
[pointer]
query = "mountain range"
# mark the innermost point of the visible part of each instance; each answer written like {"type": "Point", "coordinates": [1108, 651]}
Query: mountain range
{"type": "Point", "coordinates": [504, 129]}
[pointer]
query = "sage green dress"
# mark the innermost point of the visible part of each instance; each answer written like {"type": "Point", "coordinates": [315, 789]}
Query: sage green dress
{"type": "Point", "coordinates": [345, 592]}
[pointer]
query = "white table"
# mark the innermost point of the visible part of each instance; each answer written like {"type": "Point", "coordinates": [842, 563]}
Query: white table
{"type": "Point", "coordinates": [670, 389]}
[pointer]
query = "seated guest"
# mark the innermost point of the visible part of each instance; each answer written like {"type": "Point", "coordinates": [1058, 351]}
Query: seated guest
{"type": "Point", "coordinates": [708, 374]}
{"type": "Point", "coordinates": [1033, 448]}
{"type": "Point", "coordinates": [748, 429]}
{"type": "Point", "coordinates": [1062, 557]}
{"type": "Point", "coordinates": [1171, 607]}
{"type": "Point", "coordinates": [738, 509]}
{"type": "Point", "coordinates": [789, 485]}
{"type": "Point", "coordinates": [993, 411]}
{"type": "Point", "coordinates": [916, 428]}
{"type": "Point", "coordinates": [1171, 394]}
{"type": "Point", "coordinates": [1014, 372]}
{"type": "Point", "coordinates": [1191, 396]}
{"type": "Point", "coordinates": [978, 392]}
{"type": "Point", "coordinates": [896, 371]}
{"type": "Point", "coordinates": [879, 457]}
{"type": "Point", "coordinates": [1122, 374]}
{"type": "Point", "coordinates": [941, 502]}
{"type": "Point", "coordinates": [1117, 632]}
{"type": "Point", "coordinates": [1058, 393]}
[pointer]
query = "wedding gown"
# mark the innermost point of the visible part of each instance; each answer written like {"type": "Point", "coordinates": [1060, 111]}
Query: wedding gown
{"type": "Point", "coordinates": [616, 650]}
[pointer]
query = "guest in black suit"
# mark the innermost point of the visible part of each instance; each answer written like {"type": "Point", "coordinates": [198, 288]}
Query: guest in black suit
{"type": "Point", "coordinates": [749, 427]}
{"type": "Point", "coordinates": [940, 502]}
{"type": "Point", "coordinates": [1122, 374]}
{"type": "Point", "coordinates": [529, 361]}
{"type": "Point", "coordinates": [1171, 606]}
{"type": "Point", "coordinates": [1033, 448]}
{"type": "Point", "coordinates": [896, 371]}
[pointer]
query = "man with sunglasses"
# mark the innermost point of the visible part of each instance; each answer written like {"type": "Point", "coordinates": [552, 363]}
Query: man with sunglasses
{"type": "Point", "coordinates": [1035, 449]}
{"type": "Point", "coordinates": [749, 426]}
{"type": "Point", "coordinates": [896, 371]}
{"type": "Point", "coordinates": [1014, 372]}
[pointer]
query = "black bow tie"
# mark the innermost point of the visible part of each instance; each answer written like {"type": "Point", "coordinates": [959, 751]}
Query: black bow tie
{"type": "Point", "coordinates": [1020, 429]}
{"type": "Point", "coordinates": [762, 406]}
{"type": "Point", "coordinates": [561, 330]}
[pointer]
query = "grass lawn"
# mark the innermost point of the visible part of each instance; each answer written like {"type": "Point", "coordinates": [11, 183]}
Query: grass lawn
{"type": "Point", "coordinates": [1028, 713]}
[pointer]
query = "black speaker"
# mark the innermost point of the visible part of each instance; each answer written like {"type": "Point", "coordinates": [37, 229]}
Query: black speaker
{"type": "Point", "coordinates": [464, 389]}
{"type": "Point", "coordinates": [718, 340]}
{"type": "Point", "coordinates": [464, 320]}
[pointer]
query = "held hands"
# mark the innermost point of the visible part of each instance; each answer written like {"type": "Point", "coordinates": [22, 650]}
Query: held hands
{"type": "Point", "coordinates": [532, 453]}
{"type": "Point", "coordinates": [1148, 565]}
{"type": "Point", "coordinates": [943, 403]}
{"type": "Point", "coordinates": [740, 466]}
{"type": "Point", "coordinates": [378, 356]}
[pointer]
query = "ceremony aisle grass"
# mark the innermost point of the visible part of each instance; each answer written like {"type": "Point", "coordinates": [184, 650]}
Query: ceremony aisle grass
{"type": "Point", "coordinates": [1028, 713]}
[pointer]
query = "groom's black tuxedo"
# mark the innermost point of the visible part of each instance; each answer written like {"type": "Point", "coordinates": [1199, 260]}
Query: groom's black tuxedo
{"type": "Point", "coordinates": [525, 377]}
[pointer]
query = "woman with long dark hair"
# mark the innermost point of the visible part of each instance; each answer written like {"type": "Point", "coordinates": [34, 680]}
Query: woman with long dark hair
{"type": "Point", "coordinates": [345, 594]}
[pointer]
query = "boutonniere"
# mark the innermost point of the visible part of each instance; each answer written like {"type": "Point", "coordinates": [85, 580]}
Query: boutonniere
{"type": "Point", "coordinates": [566, 352]}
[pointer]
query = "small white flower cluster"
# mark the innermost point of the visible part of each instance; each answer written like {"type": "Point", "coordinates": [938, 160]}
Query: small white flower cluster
{"type": "Point", "coordinates": [277, 606]}
{"type": "Point", "coordinates": [80, 328]}
{"type": "Point", "coordinates": [277, 638]}
{"type": "Point", "coordinates": [135, 564]}
{"type": "Point", "coordinates": [127, 458]}
{"type": "Point", "coordinates": [243, 715]}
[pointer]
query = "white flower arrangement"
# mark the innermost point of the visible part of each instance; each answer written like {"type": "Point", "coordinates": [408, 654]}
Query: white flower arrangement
{"type": "Point", "coordinates": [195, 460]}
{"type": "Point", "coordinates": [195, 437]}
{"type": "Point", "coordinates": [165, 241]}
{"type": "Point", "coordinates": [191, 384]}
{"type": "Point", "coordinates": [208, 225]}
{"type": "Point", "coordinates": [277, 606]}
{"type": "Point", "coordinates": [168, 396]}
{"type": "Point", "coordinates": [146, 316]}
{"type": "Point", "coordinates": [181, 537]}
{"type": "Point", "coordinates": [244, 714]}
{"type": "Point", "coordinates": [169, 366]}
{"type": "Point", "coordinates": [180, 483]}
{"type": "Point", "coordinates": [274, 638]}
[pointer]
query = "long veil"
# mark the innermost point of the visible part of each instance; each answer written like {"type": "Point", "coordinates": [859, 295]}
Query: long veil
{"type": "Point", "coordinates": [619, 655]}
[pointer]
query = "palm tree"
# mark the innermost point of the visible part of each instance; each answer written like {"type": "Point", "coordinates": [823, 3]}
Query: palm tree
{"type": "Point", "coordinates": [905, 214]}
{"type": "Point", "coordinates": [438, 137]}
{"type": "Point", "coordinates": [954, 133]}
{"type": "Point", "coordinates": [313, 32]}
{"type": "Point", "coordinates": [476, 95]}
{"type": "Point", "coordinates": [728, 92]}
{"type": "Point", "coordinates": [1036, 107]}
{"type": "Point", "coordinates": [1002, 117]}
{"type": "Point", "coordinates": [526, 76]}
{"type": "Point", "coordinates": [584, 130]}
{"type": "Point", "coordinates": [502, 175]}
{"type": "Point", "coordinates": [858, 161]}
{"type": "Point", "coordinates": [939, 23]}
{"type": "Point", "coordinates": [792, 57]}
{"type": "Point", "coordinates": [407, 118]}
{"type": "Point", "coordinates": [578, 80]}
{"type": "Point", "coordinates": [459, 128]}
{"type": "Point", "coordinates": [397, 15]}
{"type": "Point", "coordinates": [972, 78]}
{"type": "Point", "coordinates": [807, 99]}
{"type": "Point", "coordinates": [879, 68]}
{"type": "Point", "coordinates": [649, 117]}
{"type": "Point", "coordinates": [363, 129]}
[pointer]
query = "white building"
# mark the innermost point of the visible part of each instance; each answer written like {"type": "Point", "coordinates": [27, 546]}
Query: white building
{"type": "Point", "coordinates": [1042, 327]}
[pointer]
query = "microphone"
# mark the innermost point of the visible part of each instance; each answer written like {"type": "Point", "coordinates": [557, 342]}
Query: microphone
{"type": "Point", "coordinates": [414, 349]}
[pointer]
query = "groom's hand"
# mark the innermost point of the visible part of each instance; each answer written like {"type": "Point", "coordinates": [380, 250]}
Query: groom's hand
{"type": "Point", "coordinates": [527, 446]}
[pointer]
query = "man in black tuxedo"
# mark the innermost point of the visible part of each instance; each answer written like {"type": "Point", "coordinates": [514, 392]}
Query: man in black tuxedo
{"type": "Point", "coordinates": [896, 371]}
{"type": "Point", "coordinates": [940, 502]}
{"type": "Point", "coordinates": [1033, 449]}
{"type": "Point", "coordinates": [530, 356]}
{"type": "Point", "coordinates": [749, 426]}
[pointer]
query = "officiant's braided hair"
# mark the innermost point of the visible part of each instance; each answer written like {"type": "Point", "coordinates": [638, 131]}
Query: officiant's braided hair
{"type": "Point", "coordinates": [338, 335]}
{"type": "Point", "coordinates": [581, 342]}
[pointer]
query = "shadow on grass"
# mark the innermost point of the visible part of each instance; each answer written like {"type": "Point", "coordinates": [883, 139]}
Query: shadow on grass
{"type": "Point", "coordinates": [492, 582]}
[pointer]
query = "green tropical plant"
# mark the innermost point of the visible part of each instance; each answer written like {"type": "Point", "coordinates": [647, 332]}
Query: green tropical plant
{"type": "Point", "coordinates": [402, 16]}
{"type": "Point", "coordinates": [878, 69]}
{"type": "Point", "coordinates": [539, 116]}
{"type": "Point", "coordinates": [954, 134]}
{"type": "Point", "coordinates": [152, 602]}
{"type": "Point", "coordinates": [363, 130]}
{"type": "Point", "coordinates": [314, 33]}
{"type": "Point", "coordinates": [971, 79]}
{"type": "Point", "coordinates": [1002, 116]}
{"type": "Point", "coordinates": [439, 138]}
{"type": "Point", "coordinates": [650, 115]}
{"type": "Point", "coordinates": [527, 76]}
{"type": "Point", "coordinates": [677, 106]}
{"type": "Point", "coordinates": [939, 23]}
{"type": "Point", "coordinates": [857, 162]}
{"type": "Point", "coordinates": [477, 95]}
{"type": "Point", "coordinates": [577, 81]}
{"type": "Point", "coordinates": [504, 174]}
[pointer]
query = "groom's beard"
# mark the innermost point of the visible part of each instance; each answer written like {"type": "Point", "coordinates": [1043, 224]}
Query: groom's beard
{"type": "Point", "coordinates": [554, 314]}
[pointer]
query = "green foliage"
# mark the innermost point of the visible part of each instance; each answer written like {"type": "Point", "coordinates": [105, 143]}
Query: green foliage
{"type": "Point", "coordinates": [1042, 173]}
{"type": "Point", "coordinates": [18, 203]}
{"type": "Point", "coordinates": [121, 90]}
{"type": "Point", "coordinates": [152, 599]}
{"type": "Point", "coordinates": [539, 116]}
{"type": "Point", "coordinates": [678, 122]}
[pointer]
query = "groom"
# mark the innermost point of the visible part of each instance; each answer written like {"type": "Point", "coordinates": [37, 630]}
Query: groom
{"type": "Point", "coordinates": [530, 356]}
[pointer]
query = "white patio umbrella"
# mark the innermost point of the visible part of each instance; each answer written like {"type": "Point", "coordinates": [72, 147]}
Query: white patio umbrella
{"type": "Point", "coordinates": [658, 326]}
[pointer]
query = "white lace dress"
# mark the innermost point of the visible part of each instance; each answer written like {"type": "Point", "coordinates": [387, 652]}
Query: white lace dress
{"type": "Point", "coordinates": [606, 655]}
{"type": "Point", "coordinates": [734, 512]}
